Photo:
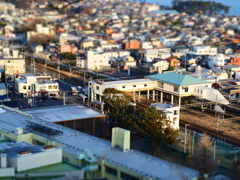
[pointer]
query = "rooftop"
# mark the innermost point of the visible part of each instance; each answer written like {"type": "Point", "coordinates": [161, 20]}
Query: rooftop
{"type": "Point", "coordinates": [142, 163]}
{"type": "Point", "coordinates": [12, 149]}
{"type": "Point", "coordinates": [177, 79]}
{"type": "Point", "coordinates": [63, 113]}
{"type": "Point", "coordinates": [125, 82]}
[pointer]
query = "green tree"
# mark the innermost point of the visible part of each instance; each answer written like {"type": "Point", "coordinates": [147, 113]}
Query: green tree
{"type": "Point", "coordinates": [171, 68]}
{"type": "Point", "coordinates": [153, 126]}
{"type": "Point", "coordinates": [116, 106]}
{"type": "Point", "coordinates": [68, 55]}
{"type": "Point", "coordinates": [2, 24]}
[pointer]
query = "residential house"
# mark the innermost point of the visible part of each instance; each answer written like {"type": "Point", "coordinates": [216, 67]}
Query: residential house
{"type": "Point", "coordinates": [36, 48]}
{"type": "Point", "coordinates": [234, 60]}
{"type": "Point", "coordinates": [231, 69]}
{"type": "Point", "coordinates": [131, 45]}
{"type": "Point", "coordinates": [160, 64]}
{"type": "Point", "coordinates": [62, 48]}
{"type": "Point", "coordinates": [158, 13]}
{"type": "Point", "coordinates": [217, 60]}
{"type": "Point", "coordinates": [173, 62]}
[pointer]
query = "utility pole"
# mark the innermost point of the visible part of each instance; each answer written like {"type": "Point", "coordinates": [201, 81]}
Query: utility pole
{"type": "Point", "coordinates": [58, 70]}
{"type": "Point", "coordinates": [216, 107]}
{"type": "Point", "coordinates": [64, 98]}
{"type": "Point", "coordinates": [192, 143]}
{"type": "Point", "coordinates": [185, 137]}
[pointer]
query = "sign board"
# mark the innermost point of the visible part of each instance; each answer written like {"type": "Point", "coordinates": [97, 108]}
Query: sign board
{"type": "Point", "coordinates": [29, 101]}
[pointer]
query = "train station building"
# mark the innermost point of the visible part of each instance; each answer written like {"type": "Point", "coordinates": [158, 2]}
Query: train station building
{"type": "Point", "coordinates": [169, 86]}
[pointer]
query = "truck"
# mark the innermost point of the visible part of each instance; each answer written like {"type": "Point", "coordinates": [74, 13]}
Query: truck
{"type": "Point", "coordinates": [74, 91]}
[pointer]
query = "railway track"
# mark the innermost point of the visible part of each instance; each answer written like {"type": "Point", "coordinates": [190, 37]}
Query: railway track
{"type": "Point", "coordinates": [213, 133]}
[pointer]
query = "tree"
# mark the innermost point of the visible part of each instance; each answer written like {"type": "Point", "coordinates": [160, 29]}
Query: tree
{"type": "Point", "coordinates": [2, 24]}
{"type": "Point", "coordinates": [171, 68]}
{"type": "Point", "coordinates": [69, 56]}
{"type": "Point", "coordinates": [41, 39]}
{"type": "Point", "coordinates": [153, 126]}
{"type": "Point", "coordinates": [204, 157]}
{"type": "Point", "coordinates": [196, 6]}
{"type": "Point", "coordinates": [116, 106]}
{"type": "Point", "coordinates": [21, 4]}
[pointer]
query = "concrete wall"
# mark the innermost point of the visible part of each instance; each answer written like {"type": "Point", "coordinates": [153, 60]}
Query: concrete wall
{"type": "Point", "coordinates": [40, 159]}
{"type": "Point", "coordinates": [7, 172]}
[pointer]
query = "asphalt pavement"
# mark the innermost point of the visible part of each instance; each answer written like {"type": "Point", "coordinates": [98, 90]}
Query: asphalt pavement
{"type": "Point", "coordinates": [64, 88]}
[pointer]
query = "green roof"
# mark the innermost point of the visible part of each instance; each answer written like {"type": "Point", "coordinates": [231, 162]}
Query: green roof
{"type": "Point", "coordinates": [177, 79]}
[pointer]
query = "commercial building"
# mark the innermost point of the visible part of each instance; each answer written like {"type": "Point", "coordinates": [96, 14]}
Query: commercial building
{"type": "Point", "coordinates": [29, 85]}
{"type": "Point", "coordinates": [73, 116]}
{"type": "Point", "coordinates": [96, 157]}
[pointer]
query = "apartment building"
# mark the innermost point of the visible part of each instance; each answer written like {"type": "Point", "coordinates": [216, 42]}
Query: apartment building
{"type": "Point", "coordinates": [98, 59]}
{"type": "Point", "coordinates": [11, 63]}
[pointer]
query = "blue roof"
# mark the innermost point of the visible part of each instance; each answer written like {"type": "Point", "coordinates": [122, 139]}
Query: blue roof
{"type": "Point", "coordinates": [166, 12]}
{"type": "Point", "coordinates": [177, 79]}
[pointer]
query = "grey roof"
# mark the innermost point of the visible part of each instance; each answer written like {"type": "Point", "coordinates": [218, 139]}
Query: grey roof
{"type": "Point", "coordinates": [12, 149]}
{"type": "Point", "coordinates": [60, 113]}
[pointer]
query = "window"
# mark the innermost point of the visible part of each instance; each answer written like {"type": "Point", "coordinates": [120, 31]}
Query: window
{"type": "Point", "coordinates": [24, 87]}
{"type": "Point", "coordinates": [175, 112]}
{"type": "Point", "coordinates": [123, 87]}
{"type": "Point", "coordinates": [201, 91]}
{"type": "Point", "coordinates": [175, 88]}
{"type": "Point", "coordinates": [55, 87]}
{"type": "Point", "coordinates": [128, 177]}
{"type": "Point", "coordinates": [29, 87]}
{"type": "Point", "coordinates": [198, 91]}
{"type": "Point", "coordinates": [185, 88]}
{"type": "Point", "coordinates": [134, 85]}
{"type": "Point", "coordinates": [49, 87]}
{"type": "Point", "coordinates": [111, 171]}
{"type": "Point", "coordinates": [160, 84]}
{"type": "Point", "coordinates": [97, 87]}
{"type": "Point", "coordinates": [195, 89]}
{"type": "Point", "coordinates": [145, 85]}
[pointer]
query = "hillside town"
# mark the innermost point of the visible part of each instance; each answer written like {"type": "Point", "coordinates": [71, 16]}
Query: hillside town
{"type": "Point", "coordinates": [118, 90]}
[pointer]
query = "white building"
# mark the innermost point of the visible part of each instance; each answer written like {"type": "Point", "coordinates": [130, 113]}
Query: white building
{"type": "Point", "coordinates": [98, 59]}
{"type": "Point", "coordinates": [146, 45]}
{"type": "Point", "coordinates": [172, 112]}
{"type": "Point", "coordinates": [173, 84]}
{"type": "Point", "coordinates": [28, 85]}
{"type": "Point", "coordinates": [217, 60]}
{"type": "Point", "coordinates": [203, 50]}
{"type": "Point", "coordinates": [12, 64]}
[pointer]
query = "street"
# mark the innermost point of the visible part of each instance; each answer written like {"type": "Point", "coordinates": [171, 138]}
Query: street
{"type": "Point", "coordinates": [63, 88]}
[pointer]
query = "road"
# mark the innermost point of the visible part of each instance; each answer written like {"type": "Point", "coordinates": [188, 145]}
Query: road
{"type": "Point", "coordinates": [64, 88]}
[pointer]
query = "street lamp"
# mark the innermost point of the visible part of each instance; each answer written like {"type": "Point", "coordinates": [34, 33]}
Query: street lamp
{"type": "Point", "coordinates": [185, 134]}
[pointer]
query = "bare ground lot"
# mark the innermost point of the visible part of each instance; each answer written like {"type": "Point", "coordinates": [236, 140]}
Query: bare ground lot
{"type": "Point", "coordinates": [209, 121]}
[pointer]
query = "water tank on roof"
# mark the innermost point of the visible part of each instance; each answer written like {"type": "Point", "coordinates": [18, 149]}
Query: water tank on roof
{"type": "Point", "coordinates": [18, 130]}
